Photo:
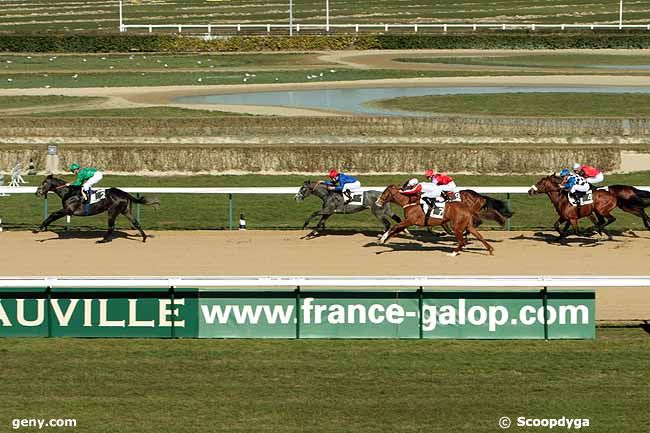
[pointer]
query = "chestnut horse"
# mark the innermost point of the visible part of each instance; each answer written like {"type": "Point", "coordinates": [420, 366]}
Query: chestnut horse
{"type": "Point", "coordinates": [604, 203]}
{"type": "Point", "coordinates": [458, 215]}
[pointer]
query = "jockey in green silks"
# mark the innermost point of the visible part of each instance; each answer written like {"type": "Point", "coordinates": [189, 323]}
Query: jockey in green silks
{"type": "Point", "coordinates": [86, 178]}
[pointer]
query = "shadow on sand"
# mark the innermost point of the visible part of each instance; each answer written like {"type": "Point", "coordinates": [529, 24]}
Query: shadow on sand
{"type": "Point", "coordinates": [96, 235]}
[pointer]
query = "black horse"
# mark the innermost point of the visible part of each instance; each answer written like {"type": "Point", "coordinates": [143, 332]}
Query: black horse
{"type": "Point", "coordinates": [116, 202]}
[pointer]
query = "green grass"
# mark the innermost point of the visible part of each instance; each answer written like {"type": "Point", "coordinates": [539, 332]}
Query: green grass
{"type": "Point", "coordinates": [187, 212]}
{"type": "Point", "coordinates": [187, 386]}
{"type": "Point", "coordinates": [14, 63]}
{"type": "Point", "coordinates": [134, 79]}
{"type": "Point", "coordinates": [554, 60]}
{"type": "Point", "coordinates": [9, 102]}
{"type": "Point", "coordinates": [51, 15]}
{"type": "Point", "coordinates": [145, 112]}
{"type": "Point", "coordinates": [527, 104]}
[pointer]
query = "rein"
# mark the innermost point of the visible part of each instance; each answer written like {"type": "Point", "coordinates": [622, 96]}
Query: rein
{"type": "Point", "coordinates": [409, 205]}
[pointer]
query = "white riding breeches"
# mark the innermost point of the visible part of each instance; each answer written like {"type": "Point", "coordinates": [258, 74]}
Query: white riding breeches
{"type": "Point", "coordinates": [582, 188]}
{"type": "Point", "coordinates": [451, 187]}
{"type": "Point", "coordinates": [93, 180]}
{"type": "Point", "coordinates": [595, 179]}
{"type": "Point", "coordinates": [351, 186]}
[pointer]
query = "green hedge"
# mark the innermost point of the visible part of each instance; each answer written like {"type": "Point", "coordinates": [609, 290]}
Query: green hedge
{"type": "Point", "coordinates": [78, 43]}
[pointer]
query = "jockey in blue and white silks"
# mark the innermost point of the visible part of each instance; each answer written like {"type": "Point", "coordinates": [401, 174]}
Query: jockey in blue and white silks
{"type": "Point", "coordinates": [574, 182]}
{"type": "Point", "coordinates": [342, 183]}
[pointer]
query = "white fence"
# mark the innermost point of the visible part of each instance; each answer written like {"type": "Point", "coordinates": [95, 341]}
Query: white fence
{"type": "Point", "coordinates": [326, 281]}
{"type": "Point", "coordinates": [210, 29]}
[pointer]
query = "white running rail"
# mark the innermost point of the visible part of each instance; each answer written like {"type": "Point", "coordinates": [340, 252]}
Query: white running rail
{"type": "Point", "coordinates": [327, 282]}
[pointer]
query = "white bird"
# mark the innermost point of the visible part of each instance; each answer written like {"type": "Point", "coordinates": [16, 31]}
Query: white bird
{"type": "Point", "coordinates": [245, 79]}
{"type": "Point", "coordinates": [199, 62]}
{"type": "Point", "coordinates": [103, 58]}
{"type": "Point", "coordinates": [111, 67]}
{"type": "Point", "coordinates": [332, 71]}
{"type": "Point", "coordinates": [199, 80]}
{"type": "Point", "coordinates": [47, 87]}
{"type": "Point", "coordinates": [321, 74]}
{"type": "Point", "coordinates": [10, 79]}
{"type": "Point", "coordinates": [29, 57]}
{"type": "Point", "coordinates": [253, 75]}
{"type": "Point", "coordinates": [166, 65]}
{"type": "Point", "coordinates": [45, 75]}
{"type": "Point", "coordinates": [9, 61]}
{"type": "Point", "coordinates": [143, 73]}
{"type": "Point", "coordinates": [276, 78]}
{"type": "Point", "coordinates": [247, 74]}
{"type": "Point", "coordinates": [309, 77]}
{"type": "Point", "coordinates": [50, 59]}
{"type": "Point", "coordinates": [75, 76]}
{"type": "Point", "coordinates": [85, 60]}
{"type": "Point", "coordinates": [158, 61]}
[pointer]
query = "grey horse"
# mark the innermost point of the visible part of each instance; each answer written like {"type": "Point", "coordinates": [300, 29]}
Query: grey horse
{"type": "Point", "coordinates": [334, 203]}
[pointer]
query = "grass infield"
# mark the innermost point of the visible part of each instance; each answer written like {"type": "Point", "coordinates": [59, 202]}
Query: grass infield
{"type": "Point", "coordinates": [634, 105]}
{"type": "Point", "coordinates": [187, 386]}
{"type": "Point", "coordinates": [189, 212]}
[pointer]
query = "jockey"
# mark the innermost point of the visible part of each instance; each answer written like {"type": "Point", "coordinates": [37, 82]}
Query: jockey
{"type": "Point", "coordinates": [430, 192]}
{"type": "Point", "coordinates": [86, 178]}
{"type": "Point", "coordinates": [592, 175]}
{"type": "Point", "coordinates": [342, 183]}
{"type": "Point", "coordinates": [574, 183]}
{"type": "Point", "coordinates": [446, 183]}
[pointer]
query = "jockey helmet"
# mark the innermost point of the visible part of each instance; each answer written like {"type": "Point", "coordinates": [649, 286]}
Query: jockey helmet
{"type": "Point", "coordinates": [565, 172]}
{"type": "Point", "coordinates": [576, 166]}
{"type": "Point", "coordinates": [74, 166]}
{"type": "Point", "coordinates": [412, 182]}
{"type": "Point", "coordinates": [333, 173]}
{"type": "Point", "coordinates": [429, 173]}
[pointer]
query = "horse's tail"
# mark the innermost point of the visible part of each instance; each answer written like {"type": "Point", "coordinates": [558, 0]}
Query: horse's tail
{"type": "Point", "coordinates": [142, 200]}
{"type": "Point", "coordinates": [498, 205]}
{"type": "Point", "coordinates": [643, 196]}
{"type": "Point", "coordinates": [630, 196]}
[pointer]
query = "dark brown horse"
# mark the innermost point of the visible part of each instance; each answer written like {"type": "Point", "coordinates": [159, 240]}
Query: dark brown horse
{"type": "Point", "coordinates": [458, 215]}
{"type": "Point", "coordinates": [604, 203]}
{"type": "Point", "coordinates": [632, 200]}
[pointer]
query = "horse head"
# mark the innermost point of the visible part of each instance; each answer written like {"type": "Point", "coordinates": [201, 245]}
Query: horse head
{"type": "Point", "coordinates": [48, 184]}
{"type": "Point", "coordinates": [305, 190]}
{"type": "Point", "coordinates": [387, 196]}
{"type": "Point", "coordinates": [546, 184]}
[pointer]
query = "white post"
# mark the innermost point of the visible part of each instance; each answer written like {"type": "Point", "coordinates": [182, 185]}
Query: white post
{"type": "Point", "coordinates": [327, 15]}
{"type": "Point", "coordinates": [290, 17]}
{"type": "Point", "coordinates": [121, 20]}
{"type": "Point", "coordinates": [620, 16]}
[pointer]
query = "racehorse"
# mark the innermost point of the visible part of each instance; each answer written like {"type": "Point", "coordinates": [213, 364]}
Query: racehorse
{"type": "Point", "coordinates": [458, 215]}
{"type": "Point", "coordinates": [604, 203]}
{"type": "Point", "coordinates": [334, 203]}
{"type": "Point", "coordinates": [632, 200]}
{"type": "Point", "coordinates": [116, 202]}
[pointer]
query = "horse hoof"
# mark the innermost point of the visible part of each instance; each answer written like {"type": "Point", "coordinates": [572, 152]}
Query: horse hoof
{"type": "Point", "coordinates": [36, 231]}
{"type": "Point", "coordinates": [454, 254]}
{"type": "Point", "coordinates": [101, 241]}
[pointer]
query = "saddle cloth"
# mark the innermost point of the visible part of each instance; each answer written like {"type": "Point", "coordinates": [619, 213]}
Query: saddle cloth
{"type": "Point", "coordinates": [588, 198]}
{"type": "Point", "coordinates": [438, 210]}
{"type": "Point", "coordinates": [357, 198]}
{"type": "Point", "coordinates": [97, 195]}
{"type": "Point", "coordinates": [455, 197]}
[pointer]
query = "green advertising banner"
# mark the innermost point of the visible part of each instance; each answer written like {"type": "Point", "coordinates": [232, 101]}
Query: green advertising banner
{"type": "Point", "coordinates": [194, 313]}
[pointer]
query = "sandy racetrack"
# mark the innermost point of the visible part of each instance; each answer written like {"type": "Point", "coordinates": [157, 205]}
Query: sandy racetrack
{"type": "Point", "coordinates": [284, 253]}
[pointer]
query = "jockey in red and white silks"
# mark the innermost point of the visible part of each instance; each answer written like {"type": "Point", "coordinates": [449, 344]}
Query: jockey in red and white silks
{"type": "Point", "coordinates": [592, 175]}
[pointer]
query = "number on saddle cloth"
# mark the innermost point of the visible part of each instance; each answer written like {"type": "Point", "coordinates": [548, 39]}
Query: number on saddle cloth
{"type": "Point", "coordinates": [584, 198]}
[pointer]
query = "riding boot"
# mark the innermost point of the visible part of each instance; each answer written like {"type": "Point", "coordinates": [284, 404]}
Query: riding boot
{"type": "Point", "coordinates": [348, 196]}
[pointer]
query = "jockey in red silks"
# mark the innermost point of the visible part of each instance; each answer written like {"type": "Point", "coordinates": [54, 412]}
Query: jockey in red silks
{"type": "Point", "coordinates": [592, 175]}
{"type": "Point", "coordinates": [430, 191]}
{"type": "Point", "coordinates": [446, 183]}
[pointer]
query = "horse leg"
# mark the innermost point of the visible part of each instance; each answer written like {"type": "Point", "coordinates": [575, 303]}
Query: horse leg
{"type": "Point", "coordinates": [639, 212]}
{"type": "Point", "coordinates": [50, 219]}
{"type": "Point", "coordinates": [460, 239]}
{"type": "Point", "coordinates": [134, 222]}
{"type": "Point", "coordinates": [311, 217]}
{"type": "Point", "coordinates": [394, 230]}
{"type": "Point", "coordinates": [112, 216]}
{"type": "Point", "coordinates": [481, 239]}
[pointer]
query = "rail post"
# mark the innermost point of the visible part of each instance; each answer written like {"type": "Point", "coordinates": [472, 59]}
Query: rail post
{"type": "Point", "coordinates": [230, 211]}
{"type": "Point", "coordinates": [509, 204]}
{"type": "Point", "coordinates": [545, 308]}
{"type": "Point", "coordinates": [420, 309]}
{"type": "Point", "coordinates": [137, 209]}
{"type": "Point", "coordinates": [297, 312]}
